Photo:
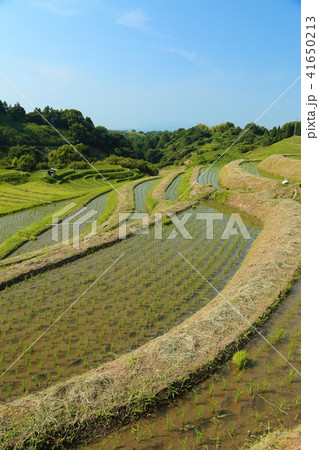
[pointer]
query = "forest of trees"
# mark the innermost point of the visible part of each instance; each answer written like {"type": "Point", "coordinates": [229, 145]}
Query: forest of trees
{"type": "Point", "coordinates": [27, 141]}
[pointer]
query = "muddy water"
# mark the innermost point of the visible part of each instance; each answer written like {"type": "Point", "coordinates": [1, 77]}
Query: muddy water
{"type": "Point", "coordinates": [147, 292]}
{"type": "Point", "coordinates": [231, 408]}
{"type": "Point", "coordinates": [172, 190]}
{"type": "Point", "coordinates": [45, 239]}
{"type": "Point", "coordinates": [140, 193]}
{"type": "Point", "coordinates": [251, 167]}
{"type": "Point", "coordinates": [209, 176]}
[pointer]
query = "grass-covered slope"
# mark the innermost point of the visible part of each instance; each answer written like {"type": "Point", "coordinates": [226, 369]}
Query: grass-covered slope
{"type": "Point", "coordinates": [289, 146]}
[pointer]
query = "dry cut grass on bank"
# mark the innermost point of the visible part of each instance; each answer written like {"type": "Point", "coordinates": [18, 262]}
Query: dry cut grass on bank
{"type": "Point", "coordinates": [233, 176]}
{"type": "Point", "coordinates": [280, 440]}
{"type": "Point", "coordinates": [282, 166]}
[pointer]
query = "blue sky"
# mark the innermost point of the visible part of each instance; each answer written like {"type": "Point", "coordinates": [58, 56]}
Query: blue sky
{"type": "Point", "coordinates": [154, 64]}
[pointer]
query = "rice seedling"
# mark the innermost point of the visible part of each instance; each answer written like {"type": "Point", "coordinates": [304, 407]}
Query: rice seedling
{"type": "Point", "coordinates": [224, 383]}
{"type": "Point", "coordinates": [213, 404]}
{"type": "Point", "coordinates": [137, 431]}
{"type": "Point", "coordinates": [168, 423]}
{"type": "Point", "coordinates": [232, 429]}
{"type": "Point", "coordinates": [196, 396]}
{"type": "Point", "coordinates": [268, 367]}
{"type": "Point", "coordinates": [116, 439]}
{"type": "Point", "coordinates": [199, 432]}
{"type": "Point", "coordinates": [277, 336]}
{"type": "Point", "coordinates": [218, 439]}
{"type": "Point", "coordinates": [199, 413]}
{"type": "Point", "coordinates": [182, 415]}
{"type": "Point", "coordinates": [238, 394]}
{"type": "Point", "coordinates": [150, 430]}
{"type": "Point", "coordinates": [292, 376]}
{"type": "Point", "coordinates": [184, 443]}
{"type": "Point", "coordinates": [250, 388]}
{"type": "Point", "coordinates": [281, 383]}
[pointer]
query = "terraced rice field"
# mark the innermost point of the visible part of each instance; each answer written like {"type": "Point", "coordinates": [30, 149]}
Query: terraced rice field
{"type": "Point", "coordinates": [12, 223]}
{"type": "Point", "coordinates": [147, 292]}
{"type": "Point", "coordinates": [209, 176]}
{"type": "Point", "coordinates": [172, 190]}
{"type": "Point", "coordinates": [89, 179]}
{"type": "Point", "coordinates": [251, 167]}
{"type": "Point", "coordinates": [140, 193]}
{"type": "Point", "coordinates": [232, 408]}
{"type": "Point", "coordinates": [98, 204]}
{"type": "Point", "coordinates": [23, 196]}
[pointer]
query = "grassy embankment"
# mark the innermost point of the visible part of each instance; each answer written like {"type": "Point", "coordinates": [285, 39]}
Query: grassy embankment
{"type": "Point", "coordinates": [288, 146]}
{"type": "Point", "coordinates": [93, 404]}
{"type": "Point", "coordinates": [156, 199]}
{"type": "Point", "coordinates": [282, 167]}
{"type": "Point", "coordinates": [279, 439]}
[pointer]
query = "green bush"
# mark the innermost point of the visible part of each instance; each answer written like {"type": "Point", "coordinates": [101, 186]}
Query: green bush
{"type": "Point", "coordinates": [14, 177]}
{"type": "Point", "coordinates": [78, 165]}
{"type": "Point", "coordinates": [240, 359]}
{"type": "Point", "coordinates": [48, 179]}
{"type": "Point", "coordinates": [166, 221]}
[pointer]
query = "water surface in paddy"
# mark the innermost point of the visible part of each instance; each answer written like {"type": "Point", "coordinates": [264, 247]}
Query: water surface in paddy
{"type": "Point", "coordinates": [172, 190]}
{"type": "Point", "coordinates": [140, 193]}
{"type": "Point", "coordinates": [12, 223]}
{"type": "Point", "coordinates": [231, 408]}
{"type": "Point", "coordinates": [45, 239]}
{"type": "Point", "coordinates": [209, 176]}
{"type": "Point", "coordinates": [251, 167]}
{"type": "Point", "coordinates": [147, 292]}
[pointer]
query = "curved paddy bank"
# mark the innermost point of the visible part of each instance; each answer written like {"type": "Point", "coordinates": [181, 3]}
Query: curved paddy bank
{"type": "Point", "coordinates": [233, 176]}
{"type": "Point", "coordinates": [123, 388]}
{"type": "Point", "coordinates": [157, 198]}
{"type": "Point", "coordinates": [232, 408]}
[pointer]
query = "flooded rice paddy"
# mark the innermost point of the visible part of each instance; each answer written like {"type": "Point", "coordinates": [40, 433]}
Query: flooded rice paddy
{"type": "Point", "coordinates": [147, 292]}
{"type": "Point", "coordinates": [140, 193]}
{"type": "Point", "coordinates": [11, 223]}
{"type": "Point", "coordinates": [232, 408]}
{"type": "Point", "coordinates": [251, 167]}
{"type": "Point", "coordinates": [209, 176]}
{"type": "Point", "coordinates": [45, 239]}
{"type": "Point", "coordinates": [172, 190]}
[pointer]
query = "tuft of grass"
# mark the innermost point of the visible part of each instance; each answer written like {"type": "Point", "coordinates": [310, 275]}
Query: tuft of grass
{"type": "Point", "coordinates": [166, 221]}
{"type": "Point", "coordinates": [240, 359]}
